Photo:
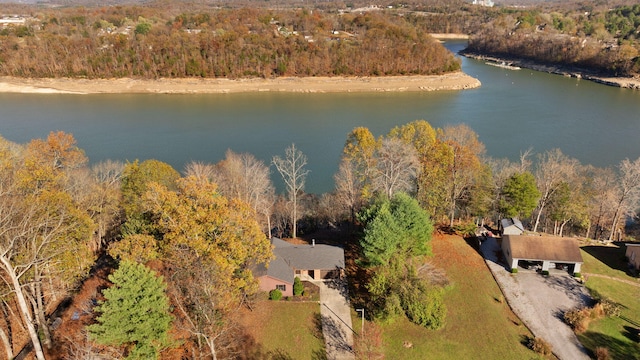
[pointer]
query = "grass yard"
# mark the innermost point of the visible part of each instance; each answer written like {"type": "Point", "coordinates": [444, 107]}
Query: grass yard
{"type": "Point", "coordinates": [479, 323]}
{"type": "Point", "coordinates": [618, 334]}
{"type": "Point", "coordinates": [285, 330]}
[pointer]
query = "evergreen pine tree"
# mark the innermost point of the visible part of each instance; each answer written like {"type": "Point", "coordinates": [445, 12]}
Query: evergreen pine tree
{"type": "Point", "coordinates": [135, 313]}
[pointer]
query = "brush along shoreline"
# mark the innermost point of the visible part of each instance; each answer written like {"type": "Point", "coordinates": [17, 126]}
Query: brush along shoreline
{"type": "Point", "coordinates": [449, 81]}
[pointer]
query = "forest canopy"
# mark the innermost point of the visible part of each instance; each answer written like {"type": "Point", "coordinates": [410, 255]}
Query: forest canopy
{"type": "Point", "coordinates": [150, 42]}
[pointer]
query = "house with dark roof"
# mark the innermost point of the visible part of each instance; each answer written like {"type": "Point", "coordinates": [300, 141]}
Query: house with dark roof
{"type": "Point", "coordinates": [549, 251]}
{"type": "Point", "coordinates": [307, 261]}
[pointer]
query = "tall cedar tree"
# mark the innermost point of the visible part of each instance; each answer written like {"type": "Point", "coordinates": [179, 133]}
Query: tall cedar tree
{"type": "Point", "coordinates": [135, 313]}
{"type": "Point", "coordinates": [519, 195]}
{"type": "Point", "coordinates": [392, 226]}
{"type": "Point", "coordinates": [397, 233]}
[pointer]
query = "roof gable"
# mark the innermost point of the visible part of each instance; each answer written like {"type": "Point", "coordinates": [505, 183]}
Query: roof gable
{"type": "Point", "coordinates": [557, 249]}
{"type": "Point", "coordinates": [512, 222]}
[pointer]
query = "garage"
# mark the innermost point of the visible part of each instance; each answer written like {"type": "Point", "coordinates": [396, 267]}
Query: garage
{"type": "Point", "coordinates": [542, 253]}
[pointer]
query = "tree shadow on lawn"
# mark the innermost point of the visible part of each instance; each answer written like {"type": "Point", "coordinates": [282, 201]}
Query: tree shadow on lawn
{"type": "Point", "coordinates": [612, 256]}
{"type": "Point", "coordinates": [617, 349]}
{"type": "Point", "coordinates": [632, 333]}
{"type": "Point", "coordinates": [572, 288]}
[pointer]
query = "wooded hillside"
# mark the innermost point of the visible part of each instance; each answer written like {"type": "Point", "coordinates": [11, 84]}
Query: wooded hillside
{"type": "Point", "coordinates": [596, 38]}
{"type": "Point", "coordinates": [152, 42]}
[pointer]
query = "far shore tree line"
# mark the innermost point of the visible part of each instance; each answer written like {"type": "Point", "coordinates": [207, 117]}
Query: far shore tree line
{"type": "Point", "coordinates": [255, 39]}
{"type": "Point", "coordinates": [204, 230]}
{"type": "Point", "coordinates": [152, 42]}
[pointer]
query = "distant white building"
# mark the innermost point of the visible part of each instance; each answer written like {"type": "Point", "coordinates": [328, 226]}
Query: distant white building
{"type": "Point", "coordinates": [12, 20]}
{"type": "Point", "coordinates": [487, 3]}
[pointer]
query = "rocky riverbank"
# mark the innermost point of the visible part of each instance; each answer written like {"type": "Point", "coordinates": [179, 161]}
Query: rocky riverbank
{"type": "Point", "coordinates": [622, 82]}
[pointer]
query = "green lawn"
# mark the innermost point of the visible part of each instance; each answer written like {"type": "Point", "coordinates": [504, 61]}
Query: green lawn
{"type": "Point", "coordinates": [479, 323]}
{"type": "Point", "coordinates": [286, 330]}
{"type": "Point", "coordinates": [618, 334]}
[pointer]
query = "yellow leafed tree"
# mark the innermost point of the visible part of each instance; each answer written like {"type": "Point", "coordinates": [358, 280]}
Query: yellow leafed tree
{"type": "Point", "coordinates": [209, 245]}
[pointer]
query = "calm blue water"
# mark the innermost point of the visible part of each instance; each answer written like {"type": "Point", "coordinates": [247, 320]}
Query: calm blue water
{"type": "Point", "coordinates": [512, 111]}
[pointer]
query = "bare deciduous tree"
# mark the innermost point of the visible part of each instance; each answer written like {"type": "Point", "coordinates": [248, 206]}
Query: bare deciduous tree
{"type": "Point", "coordinates": [105, 198]}
{"type": "Point", "coordinates": [244, 177]}
{"type": "Point", "coordinates": [293, 172]}
{"type": "Point", "coordinates": [628, 191]}
{"type": "Point", "coordinates": [34, 238]}
{"type": "Point", "coordinates": [396, 167]}
{"type": "Point", "coordinates": [552, 170]}
{"type": "Point", "coordinates": [199, 170]}
{"type": "Point", "coordinates": [466, 164]}
{"type": "Point", "coordinates": [348, 187]}
{"type": "Point", "coordinates": [600, 187]}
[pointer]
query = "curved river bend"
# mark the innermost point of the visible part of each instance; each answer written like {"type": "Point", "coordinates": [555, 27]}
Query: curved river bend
{"type": "Point", "coordinates": [512, 111]}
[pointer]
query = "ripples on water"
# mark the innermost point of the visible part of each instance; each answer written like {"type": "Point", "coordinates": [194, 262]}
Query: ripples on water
{"type": "Point", "coordinates": [512, 111]}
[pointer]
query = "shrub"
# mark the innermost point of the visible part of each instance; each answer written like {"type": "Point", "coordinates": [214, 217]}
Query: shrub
{"type": "Point", "coordinates": [602, 353]}
{"type": "Point", "coordinates": [545, 272]}
{"type": "Point", "coordinates": [275, 294]}
{"type": "Point", "coordinates": [298, 287]}
{"type": "Point", "coordinates": [464, 229]}
{"type": "Point", "coordinates": [609, 307]}
{"type": "Point", "coordinates": [539, 346]}
{"type": "Point", "coordinates": [425, 306]}
{"type": "Point", "coordinates": [143, 28]}
{"type": "Point", "coordinates": [578, 275]}
{"type": "Point", "coordinates": [578, 319]}
{"type": "Point", "coordinates": [514, 270]}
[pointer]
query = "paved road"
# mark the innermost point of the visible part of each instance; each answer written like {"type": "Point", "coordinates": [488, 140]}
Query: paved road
{"type": "Point", "coordinates": [540, 302]}
{"type": "Point", "coordinates": [336, 320]}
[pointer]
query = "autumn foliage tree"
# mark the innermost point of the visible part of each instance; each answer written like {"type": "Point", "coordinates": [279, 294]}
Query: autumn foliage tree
{"type": "Point", "coordinates": [44, 243]}
{"type": "Point", "coordinates": [209, 244]}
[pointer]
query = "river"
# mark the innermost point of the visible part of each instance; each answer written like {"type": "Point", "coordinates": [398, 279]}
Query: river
{"type": "Point", "coordinates": [512, 111]}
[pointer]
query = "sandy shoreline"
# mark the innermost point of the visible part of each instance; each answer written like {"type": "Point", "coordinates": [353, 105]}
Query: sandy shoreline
{"type": "Point", "coordinates": [453, 81]}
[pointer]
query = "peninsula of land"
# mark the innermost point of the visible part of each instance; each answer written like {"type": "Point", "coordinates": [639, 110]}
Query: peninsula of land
{"type": "Point", "coordinates": [450, 81]}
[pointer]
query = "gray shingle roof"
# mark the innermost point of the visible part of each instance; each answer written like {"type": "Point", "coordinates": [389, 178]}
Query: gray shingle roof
{"type": "Point", "coordinates": [512, 222]}
{"type": "Point", "coordinates": [290, 257]}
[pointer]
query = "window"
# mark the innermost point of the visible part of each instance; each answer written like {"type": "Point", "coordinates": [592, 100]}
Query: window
{"type": "Point", "coordinates": [281, 287]}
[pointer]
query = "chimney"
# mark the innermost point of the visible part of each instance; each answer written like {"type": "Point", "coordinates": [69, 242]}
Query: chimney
{"type": "Point", "coordinates": [313, 242]}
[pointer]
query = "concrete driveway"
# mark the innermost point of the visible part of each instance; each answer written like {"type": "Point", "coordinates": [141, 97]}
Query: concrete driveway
{"type": "Point", "coordinates": [336, 319]}
{"type": "Point", "coordinates": [540, 302]}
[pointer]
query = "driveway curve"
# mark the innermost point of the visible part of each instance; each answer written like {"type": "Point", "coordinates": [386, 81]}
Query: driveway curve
{"type": "Point", "coordinates": [540, 302]}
